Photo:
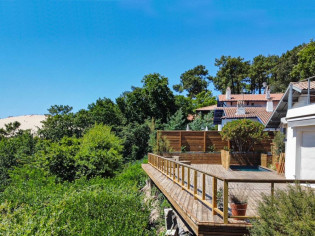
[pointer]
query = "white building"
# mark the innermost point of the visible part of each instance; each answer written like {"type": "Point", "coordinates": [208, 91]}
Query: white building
{"type": "Point", "coordinates": [295, 114]}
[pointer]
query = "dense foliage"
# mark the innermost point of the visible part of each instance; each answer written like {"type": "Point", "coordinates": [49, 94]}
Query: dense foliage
{"type": "Point", "coordinates": [34, 204]}
{"type": "Point", "coordinates": [288, 213]}
{"type": "Point", "coordinates": [243, 134]}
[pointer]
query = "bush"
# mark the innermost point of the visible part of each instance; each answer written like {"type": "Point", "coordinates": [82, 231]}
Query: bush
{"type": "Point", "coordinates": [136, 139]}
{"type": "Point", "coordinates": [34, 204]}
{"type": "Point", "coordinates": [288, 213]}
{"type": "Point", "coordinates": [14, 151]}
{"type": "Point", "coordinates": [244, 134]}
{"type": "Point", "coordinates": [99, 153]}
{"type": "Point", "coordinates": [279, 143]}
{"type": "Point", "coordinates": [202, 121]}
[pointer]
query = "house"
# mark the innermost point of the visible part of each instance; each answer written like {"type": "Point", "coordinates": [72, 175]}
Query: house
{"type": "Point", "coordinates": [295, 115]}
{"type": "Point", "coordinates": [257, 107]}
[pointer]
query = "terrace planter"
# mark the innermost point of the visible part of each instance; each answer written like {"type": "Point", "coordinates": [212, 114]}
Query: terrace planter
{"type": "Point", "coordinates": [238, 209]}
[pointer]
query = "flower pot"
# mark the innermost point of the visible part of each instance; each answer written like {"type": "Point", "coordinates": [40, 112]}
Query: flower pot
{"type": "Point", "coordinates": [238, 209]}
{"type": "Point", "coordinates": [277, 165]}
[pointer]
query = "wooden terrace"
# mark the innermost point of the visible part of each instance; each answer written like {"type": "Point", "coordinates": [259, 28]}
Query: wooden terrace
{"type": "Point", "coordinates": [193, 192]}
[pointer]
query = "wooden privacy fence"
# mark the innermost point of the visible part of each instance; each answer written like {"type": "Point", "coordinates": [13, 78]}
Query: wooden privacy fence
{"type": "Point", "coordinates": [203, 141]}
{"type": "Point", "coordinates": [188, 178]}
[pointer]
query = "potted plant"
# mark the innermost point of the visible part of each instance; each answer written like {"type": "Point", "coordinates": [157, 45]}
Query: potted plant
{"type": "Point", "coordinates": [238, 202]}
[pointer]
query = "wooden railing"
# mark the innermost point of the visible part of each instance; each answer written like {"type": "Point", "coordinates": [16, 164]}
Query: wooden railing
{"type": "Point", "coordinates": [176, 172]}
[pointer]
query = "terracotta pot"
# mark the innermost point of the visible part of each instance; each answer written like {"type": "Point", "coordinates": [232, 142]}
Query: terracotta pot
{"type": "Point", "coordinates": [277, 165]}
{"type": "Point", "coordinates": [238, 209]}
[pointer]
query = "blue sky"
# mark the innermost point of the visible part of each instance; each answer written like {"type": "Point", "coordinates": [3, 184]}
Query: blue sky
{"type": "Point", "coordinates": [73, 52]}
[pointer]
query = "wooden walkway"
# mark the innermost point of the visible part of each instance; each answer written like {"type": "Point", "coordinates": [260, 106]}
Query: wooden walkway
{"type": "Point", "coordinates": [200, 193]}
{"type": "Point", "coordinates": [198, 216]}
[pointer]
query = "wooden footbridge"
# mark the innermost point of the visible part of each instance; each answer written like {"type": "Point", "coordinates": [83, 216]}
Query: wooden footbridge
{"type": "Point", "coordinates": [200, 193]}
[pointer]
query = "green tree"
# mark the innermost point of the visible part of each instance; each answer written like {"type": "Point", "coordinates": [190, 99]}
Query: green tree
{"type": "Point", "coordinates": [233, 72]}
{"type": "Point", "coordinates": [261, 71]}
{"type": "Point", "coordinates": [14, 151]}
{"type": "Point", "coordinates": [282, 75]}
{"type": "Point", "coordinates": [99, 153]}
{"type": "Point", "coordinates": [11, 129]}
{"type": "Point", "coordinates": [289, 212]}
{"type": "Point", "coordinates": [203, 99]}
{"type": "Point", "coordinates": [59, 123]}
{"type": "Point", "coordinates": [104, 111]}
{"type": "Point", "coordinates": [185, 104]}
{"type": "Point", "coordinates": [176, 121]}
{"type": "Point", "coordinates": [202, 121]}
{"type": "Point", "coordinates": [136, 137]}
{"type": "Point", "coordinates": [305, 67]}
{"type": "Point", "coordinates": [59, 158]}
{"type": "Point", "coordinates": [243, 134]}
{"type": "Point", "coordinates": [193, 81]}
{"type": "Point", "coordinates": [153, 100]}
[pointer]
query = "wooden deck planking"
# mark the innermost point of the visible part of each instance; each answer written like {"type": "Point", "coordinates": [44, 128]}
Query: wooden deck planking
{"type": "Point", "coordinates": [199, 213]}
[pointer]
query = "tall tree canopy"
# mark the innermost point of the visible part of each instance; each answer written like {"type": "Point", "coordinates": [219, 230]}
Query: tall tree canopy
{"type": "Point", "coordinates": [282, 71]}
{"type": "Point", "coordinates": [261, 71]}
{"type": "Point", "coordinates": [153, 100]}
{"type": "Point", "coordinates": [305, 67]}
{"type": "Point", "coordinates": [193, 81]}
{"type": "Point", "coordinates": [233, 73]}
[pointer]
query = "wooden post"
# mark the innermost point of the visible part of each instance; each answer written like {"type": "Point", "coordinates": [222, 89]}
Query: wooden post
{"type": "Point", "coordinates": [214, 194]}
{"type": "Point", "coordinates": [263, 160]}
{"type": "Point", "coordinates": [174, 171]}
{"type": "Point", "coordinates": [178, 172]}
{"type": "Point", "coordinates": [195, 184]}
{"type": "Point", "coordinates": [183, 177]}
{"type": "Point", "coordinates": [203, 186]}
{"type": "Point", "coordinates": [225, 202]}
{"type": "Point", "coordinates": [180, 141]}
{"type": "Point", "coordinates": [204, 141]}
{"type": "Point", "coordinates": [188, 179]}
{"type": "Point", "coordinates": [272, 190]}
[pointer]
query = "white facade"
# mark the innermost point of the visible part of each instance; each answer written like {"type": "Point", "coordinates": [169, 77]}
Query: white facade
{"type": "Point", "coordinates": [300, 144]}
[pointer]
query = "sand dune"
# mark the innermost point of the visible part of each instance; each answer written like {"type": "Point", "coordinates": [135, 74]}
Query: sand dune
{"type": "Point", "coordinates": [32, 122]}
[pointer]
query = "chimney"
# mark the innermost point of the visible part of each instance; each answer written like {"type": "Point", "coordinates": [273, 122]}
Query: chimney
{"type": "Point", "coordinates": [240, 108]}
{"type": "Point", "coordinates": [269, 105]}
{"type": "Point", "coordinates": [228, 93]}
{"type": "Point", "coordinates": [267, 93]}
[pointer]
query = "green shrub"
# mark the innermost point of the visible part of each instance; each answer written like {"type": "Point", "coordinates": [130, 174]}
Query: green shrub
{"type": "Point", "coordinates": [34, 204]}
{"type": "Point", "coordinates": [202, 121]}
{"type": "Point", "coordinates": [136, 139]}
{"type": "Point", "coordinates": [279, 143]}
{"type": "Point", "coordinates": [14, 151]}
{"type": "Point", "coordinates": [243, 134]}
{"type": "Point", "coordinates": [99, 153]}
{"type": "Point", "coordinates": [288, 213]}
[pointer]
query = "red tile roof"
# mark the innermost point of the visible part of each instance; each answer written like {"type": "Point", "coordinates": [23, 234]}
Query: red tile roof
{"type": "Point", "coordinates": [250, 112]}
{"type": "Point", "coordinates": [250, 97]}
{"type": "Point", "coordinates": [209, 108]}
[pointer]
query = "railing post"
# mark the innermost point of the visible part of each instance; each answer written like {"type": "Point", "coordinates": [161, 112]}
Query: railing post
{"type": "Point", "coordinates": [174, 171]}
{"type": "Point", "coordinates": [272, 190]}
{"type": "Point", "coordinates": [183, 177]}
{"type": "Point", "coordinates": [188, 179]}
{"type": "Point", "coordinates": [214, 195]}
{"type": "Point", "coordinates": [195, 184]}
{"type": "Point", "coordinates": [203, 186]}
{"type": "Point", "coordinates": [177, 172]}
{"type": "Point", "coordinates": [167, 164]}
{"type": "Point", "coordinates": [225, 202]}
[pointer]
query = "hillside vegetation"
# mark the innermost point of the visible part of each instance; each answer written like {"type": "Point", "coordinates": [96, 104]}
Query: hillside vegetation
{"type": "Point", "coordinates": [81, 175]}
